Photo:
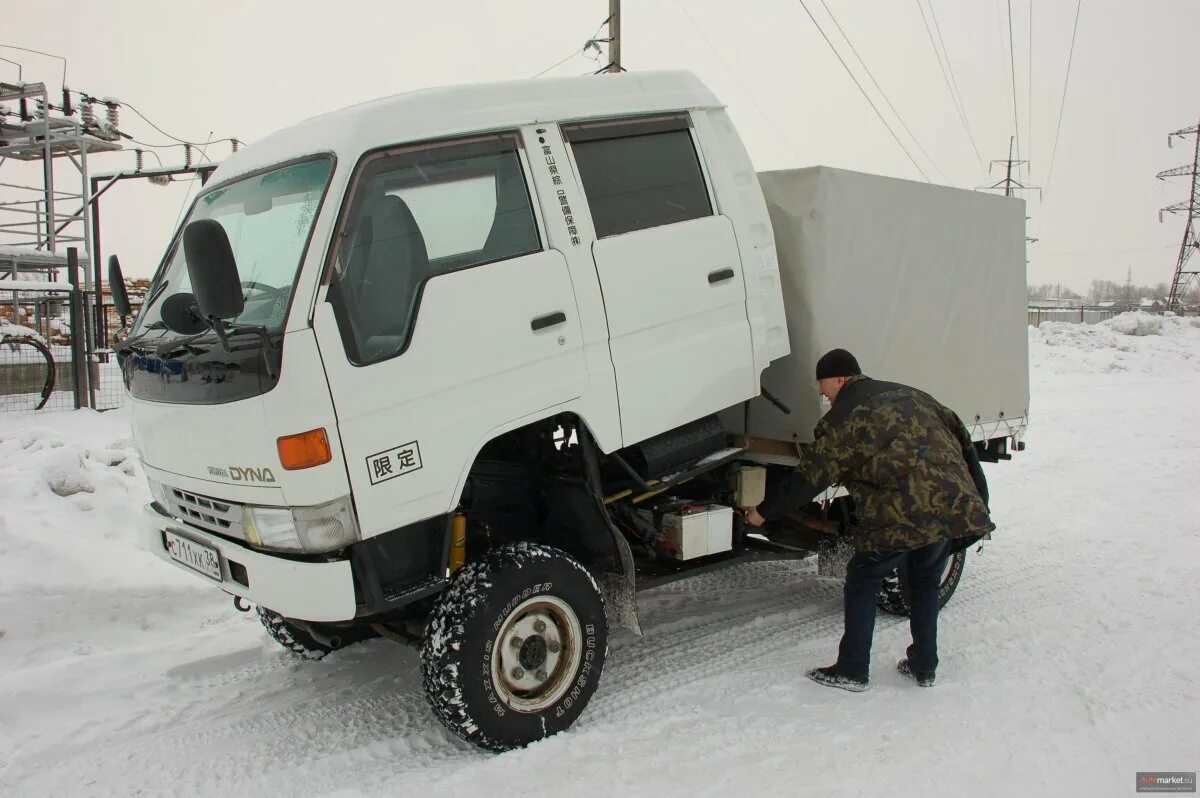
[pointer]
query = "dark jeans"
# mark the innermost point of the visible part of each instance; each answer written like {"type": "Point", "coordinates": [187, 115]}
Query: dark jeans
{"type": "Point", "coordinates": [864, 573]}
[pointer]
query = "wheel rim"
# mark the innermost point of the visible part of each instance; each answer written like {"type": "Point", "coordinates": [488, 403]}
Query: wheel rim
{"type": "Point", "coordinates": [536, 654]}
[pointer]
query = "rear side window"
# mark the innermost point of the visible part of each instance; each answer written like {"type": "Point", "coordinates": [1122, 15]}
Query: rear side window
{"type": "Point", "coordinates": [420, 212]}
{"type": "Point", "coordinates": [639, 173]}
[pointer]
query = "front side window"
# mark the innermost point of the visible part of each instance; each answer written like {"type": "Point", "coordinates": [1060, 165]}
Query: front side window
{"type": "Point", "coordinates": [268, 218]}
{"type": "Point", "coordinates": [416, 213]}
{"type": "Point", "coordinates": [639, 173]}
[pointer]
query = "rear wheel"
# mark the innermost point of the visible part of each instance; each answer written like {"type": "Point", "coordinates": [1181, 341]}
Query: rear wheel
{"type": "Point", "coordinates": [515, 647]}
{"type": "Point", "coordinates": [893, 593]}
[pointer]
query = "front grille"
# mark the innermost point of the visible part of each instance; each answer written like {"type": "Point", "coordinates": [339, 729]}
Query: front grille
{"type": "Point", "coordinates": [212, 515]}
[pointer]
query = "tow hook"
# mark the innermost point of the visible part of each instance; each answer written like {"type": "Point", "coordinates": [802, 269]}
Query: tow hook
{"type": "Point", "coordinates": [238, 601]}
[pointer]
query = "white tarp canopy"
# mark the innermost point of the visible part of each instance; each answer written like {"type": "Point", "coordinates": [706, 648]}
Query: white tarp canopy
{"type": "Point", "coordinates": [924, 284]}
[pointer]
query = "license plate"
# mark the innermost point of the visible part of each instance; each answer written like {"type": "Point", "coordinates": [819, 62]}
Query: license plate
{"type": "Point", "coordinates": [197, 556]}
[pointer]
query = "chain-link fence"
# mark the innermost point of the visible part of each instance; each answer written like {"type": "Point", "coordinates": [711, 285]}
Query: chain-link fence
{"type": "Point", "coordinates": [1093, 314]}
{"type": "Point", "coordinates": [53, 355]}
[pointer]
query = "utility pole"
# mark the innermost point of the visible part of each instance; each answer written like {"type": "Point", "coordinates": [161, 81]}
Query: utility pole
{"type": "Point", "coordinates": [1191, 206]}
{"type": "Point", "coordinates": [1010, 184]}
{"type": "Point", "coordinates": [614, 37]}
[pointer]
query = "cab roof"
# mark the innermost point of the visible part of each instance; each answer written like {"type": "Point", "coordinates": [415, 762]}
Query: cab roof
{"type": "Point", "coordinates": [473, 108]}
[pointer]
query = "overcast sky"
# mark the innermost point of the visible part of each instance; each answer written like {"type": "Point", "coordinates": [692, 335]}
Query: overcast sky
{"type": "Point", "coordinates": [245, 69]}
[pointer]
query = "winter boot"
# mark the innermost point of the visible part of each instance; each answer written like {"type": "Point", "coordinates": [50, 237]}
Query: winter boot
{"type": "Point", "coordinates": [923, 679]}
{"type": "Point", "coordinates": [829, 677]}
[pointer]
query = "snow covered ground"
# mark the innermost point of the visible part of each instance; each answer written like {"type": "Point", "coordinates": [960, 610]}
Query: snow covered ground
{"type": "Point", "coordinates": [1069, 653]}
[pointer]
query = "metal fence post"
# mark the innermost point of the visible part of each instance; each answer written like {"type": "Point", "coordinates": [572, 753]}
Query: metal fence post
{"type": "Point", "coordinates": [78, 331]}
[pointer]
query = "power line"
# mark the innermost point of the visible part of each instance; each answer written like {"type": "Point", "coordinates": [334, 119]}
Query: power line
{"type": "Point", "coordinates": [954, 100]}
{"type": "Point", "coordinates": [1063, 104]}
{"type": "Point", "coordinates": [949, 66]}
{"type": "Point", "coordinates": [863, 91]}
{"type": "Point", "coordinates": [1029, 108]}
{"type": "Point", "coordinates": [560, 63]}
{"type": "Point", "coordinates": [590, 42]}
{"type": "Point", "coordinates": [770, 122]}
{"type": "Point", "coordinates": [165, 133]}
{"type": "Point", "coordinates": [882, 93]}
{"type": "Point", "coordinates": [187, 195]}
{"type": "Point", "coordinates": [1013, 63]}
{"type": "Point", "coordinates": [48, 55]}
{"type": "Point", "coordinates": [1000, 40]}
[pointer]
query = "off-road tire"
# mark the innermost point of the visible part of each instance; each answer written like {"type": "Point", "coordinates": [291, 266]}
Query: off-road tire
{"type": "Point", "coordinates": [893, 593]}
{"type": "Point", "coordinates": [301, 643]}
{"type": "Point", "coordinates": [472, 645]}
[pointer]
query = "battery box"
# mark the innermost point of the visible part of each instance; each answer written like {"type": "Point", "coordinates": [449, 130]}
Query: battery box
{"type": "Point", "coordinates": [698, 530]}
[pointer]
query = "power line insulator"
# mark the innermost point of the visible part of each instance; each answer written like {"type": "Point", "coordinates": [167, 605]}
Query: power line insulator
{"type": "Point", "coordinates": [113, 115]}
{"type": "Point", "coordinates": [87, 114]}
{"type": "Point", "coordinates": [138, 153]}
{"type": "Point", "coordinates": [66, 103]}
{"type": "Point", "coordinates": [187, 156]}
{"type": "Point", "coordinates": [236, 144]}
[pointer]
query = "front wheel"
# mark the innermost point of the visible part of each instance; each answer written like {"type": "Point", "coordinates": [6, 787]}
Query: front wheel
{"type": "Point", "coordinates": [515, 647]}
{"type": "Point", "coordinates": [893, 594]}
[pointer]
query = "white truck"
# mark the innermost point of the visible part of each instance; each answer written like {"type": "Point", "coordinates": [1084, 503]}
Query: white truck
{"type": "Point", "coordinates": [469, 366]}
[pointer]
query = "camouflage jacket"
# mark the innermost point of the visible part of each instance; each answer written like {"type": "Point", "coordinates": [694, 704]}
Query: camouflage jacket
{"type": "Point", "coordinates": [907, 461]}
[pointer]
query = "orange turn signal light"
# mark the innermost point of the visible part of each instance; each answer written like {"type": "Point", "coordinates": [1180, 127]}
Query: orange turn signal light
{"type": "Point", "coordinates": [305, 450]}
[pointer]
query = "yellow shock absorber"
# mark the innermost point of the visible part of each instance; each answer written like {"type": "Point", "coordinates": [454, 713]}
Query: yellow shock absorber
{"type": "Point", "coordinates": [458, 542]}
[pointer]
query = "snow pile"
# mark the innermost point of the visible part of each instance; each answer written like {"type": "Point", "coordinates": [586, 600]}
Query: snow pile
{"type": "Point", "coordinates": [70, 488]}
{"type": "Point", "coordinates": [1135, 342]}
{"type": "Point", "coordinates": [1138, 323]}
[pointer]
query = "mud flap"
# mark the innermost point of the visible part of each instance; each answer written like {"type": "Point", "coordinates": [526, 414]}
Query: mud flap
{"type": "Point", "coordinates": [620, 589]}
{"type": "Point", "coordinates": [833, 554]}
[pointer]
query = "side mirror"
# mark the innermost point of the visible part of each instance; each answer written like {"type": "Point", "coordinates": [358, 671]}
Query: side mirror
{"type": "Point", "coordinates": [212, 269]}
{"type": "Point", "coordinates": [116, 284]}
{"type": "Point", "coordinates": [180, 314]}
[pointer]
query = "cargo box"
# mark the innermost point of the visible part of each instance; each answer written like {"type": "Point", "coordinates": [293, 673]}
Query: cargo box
{"type": "Point", "coordinates": [924, 284]}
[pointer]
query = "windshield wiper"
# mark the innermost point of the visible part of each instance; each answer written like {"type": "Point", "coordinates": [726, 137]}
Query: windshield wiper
{"type": "Point", "coordinates": [121, 346]}
{"type": "Point", "coordinates": [157, 292]}
{"type": "Point", "coordinates": [218, 327]}
{"type": "Point", "coordinates": [263, 333]}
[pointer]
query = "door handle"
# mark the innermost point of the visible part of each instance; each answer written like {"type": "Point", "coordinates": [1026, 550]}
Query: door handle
{"type": "Point", "coordinates": [550, 320]}
{"type": "Point", "coordinates": [720, 276]}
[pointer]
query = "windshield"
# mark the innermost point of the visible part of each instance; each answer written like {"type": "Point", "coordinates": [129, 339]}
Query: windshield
{"type": "Point", "coordinates": [268, 218]}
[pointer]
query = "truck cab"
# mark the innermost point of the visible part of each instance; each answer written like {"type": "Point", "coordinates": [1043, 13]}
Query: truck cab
{"type": "Point", "coordinates": [429, 288]}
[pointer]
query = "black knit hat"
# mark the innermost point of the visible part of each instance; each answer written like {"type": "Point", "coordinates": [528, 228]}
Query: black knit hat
{"type": "Point", "coordinates": [837, 363]}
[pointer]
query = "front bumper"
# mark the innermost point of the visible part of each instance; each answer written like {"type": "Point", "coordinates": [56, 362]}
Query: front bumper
{"type": "Point", "coordinates": [310, 591]}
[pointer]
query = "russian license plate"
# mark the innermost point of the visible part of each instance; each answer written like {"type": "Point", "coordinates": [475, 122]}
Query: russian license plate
{"type": "Point", "coordinates": [196, 556]}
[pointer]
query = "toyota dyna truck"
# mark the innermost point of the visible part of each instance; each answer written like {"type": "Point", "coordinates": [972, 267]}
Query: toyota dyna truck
{"type": "Point", "coordinates": [470, 366]}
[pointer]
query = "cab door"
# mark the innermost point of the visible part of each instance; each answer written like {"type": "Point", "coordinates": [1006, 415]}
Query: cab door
{"type": "Point", "coordinates": [670, 270]}
{"type": "Point", "coordinates": [445, 319]}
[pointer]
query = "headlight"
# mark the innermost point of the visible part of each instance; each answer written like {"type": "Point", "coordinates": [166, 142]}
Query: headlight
{"type": "Point", "coordinates": [270, 528]}
{"type": "Point", "coordinates": [326, 527]}
{"type": "Point", "coordinates": [159, 492]}
{"type": "Point", "coordinates": [310, 529]}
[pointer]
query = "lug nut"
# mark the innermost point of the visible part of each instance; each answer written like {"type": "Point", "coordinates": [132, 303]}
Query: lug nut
{"type": "Point", "coordinates": [554, 646]}
{"type": "Point", "coordinates": [539, 626]}
{"type": "Point", "coordinates": [517, 673]}
{"type": "Point", "coordinates": [541, 675]}
{"type": "Point", "coordinates": [517, 642]}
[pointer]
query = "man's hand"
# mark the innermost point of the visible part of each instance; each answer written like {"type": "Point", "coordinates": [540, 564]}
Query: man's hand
{"type": "Point", "coordinates": [753, 518]}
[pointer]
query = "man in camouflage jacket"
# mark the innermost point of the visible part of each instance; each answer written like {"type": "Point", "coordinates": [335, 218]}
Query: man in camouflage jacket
{"type": "Point", "coordinates": [919, 493]}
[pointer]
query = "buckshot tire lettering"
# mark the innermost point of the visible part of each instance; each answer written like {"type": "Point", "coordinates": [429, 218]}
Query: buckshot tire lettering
{"type": "Point", "coordinates": [492, 600]}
